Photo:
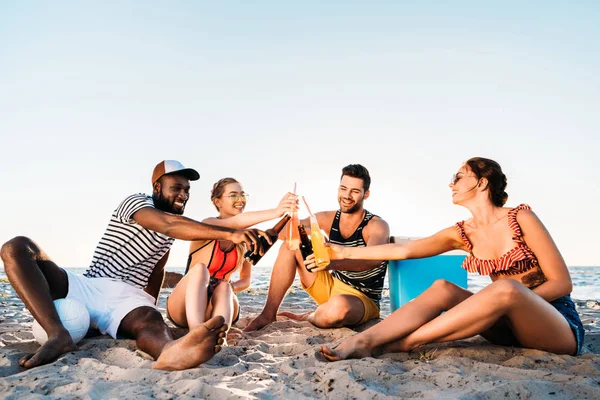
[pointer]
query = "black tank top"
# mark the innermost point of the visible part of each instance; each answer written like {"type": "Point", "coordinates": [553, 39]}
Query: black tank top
{"type": "Point", "coordinates": [369, 282]}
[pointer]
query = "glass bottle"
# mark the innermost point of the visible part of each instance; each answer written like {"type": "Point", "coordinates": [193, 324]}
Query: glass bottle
{"type": "Point", "coordinates": [254, 258]}
{"type": "Point", "coordinates": [305, 245]}
{"type": "Point", "coordinates": [293, 236]}
{"type": "Point", "coordinates": [318, 243]}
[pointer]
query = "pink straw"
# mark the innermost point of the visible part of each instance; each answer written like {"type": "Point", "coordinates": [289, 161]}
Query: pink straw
{"type": "Point", "coordinates": [294, 187]}
{"type": "Point", "coordinates": [307, 207]}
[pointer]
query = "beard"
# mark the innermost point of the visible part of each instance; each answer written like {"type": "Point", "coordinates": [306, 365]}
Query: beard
{"type": "Point", "coordinates": [163, 204]}
{"type": "Point", "coordinates": [350, 209]}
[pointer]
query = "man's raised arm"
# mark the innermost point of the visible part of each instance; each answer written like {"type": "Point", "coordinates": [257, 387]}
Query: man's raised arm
{"type": "Point", "coordinates": [183, 228]}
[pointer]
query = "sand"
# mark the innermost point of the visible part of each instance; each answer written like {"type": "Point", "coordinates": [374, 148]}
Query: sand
{"type": "Point", "coordinates": [282, 361]}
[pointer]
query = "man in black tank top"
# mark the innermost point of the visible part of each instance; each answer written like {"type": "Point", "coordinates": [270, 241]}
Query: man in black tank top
{"type": "Point", "coordinates": [347, 292]}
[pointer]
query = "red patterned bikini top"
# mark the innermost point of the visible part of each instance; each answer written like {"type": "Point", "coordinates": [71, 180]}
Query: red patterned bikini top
{"type": "Point", "coordinates": [517, 260]}
{"type": "Point", "coordinates": [222, 264]}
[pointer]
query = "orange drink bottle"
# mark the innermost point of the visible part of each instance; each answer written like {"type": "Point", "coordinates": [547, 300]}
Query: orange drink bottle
{"type": "Point", "coordinates": [293, 236]}
{"type": "Point", "coordinates": [318, 243]}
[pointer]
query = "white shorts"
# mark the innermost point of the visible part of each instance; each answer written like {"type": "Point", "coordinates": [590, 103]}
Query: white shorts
{"type": "Point", "coordinates": [107, 300]}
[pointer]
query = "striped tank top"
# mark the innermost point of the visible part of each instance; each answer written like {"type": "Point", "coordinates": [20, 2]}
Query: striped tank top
{"type": "Point", "coordinates": [516, 261]}
{"type": "Point", "coordinates": [369, 282]}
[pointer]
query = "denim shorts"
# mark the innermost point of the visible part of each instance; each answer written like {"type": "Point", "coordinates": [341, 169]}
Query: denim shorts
{"type": "Point", "coordinates": [566, 307]}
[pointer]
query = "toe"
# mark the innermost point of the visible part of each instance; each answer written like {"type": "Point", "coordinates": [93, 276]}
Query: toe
{"type": "Point", "coordinates": [31, 362]}
{"type": "Point", "coordinates": [24, 359]}
{"type": "Point", "coordinates": [328, 357]}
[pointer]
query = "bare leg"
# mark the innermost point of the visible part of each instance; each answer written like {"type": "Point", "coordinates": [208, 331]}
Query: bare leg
{"type": "Point", "coordinates": [38, 281]}
{"type": "Point", "coordinates": [282, 277]}
{"type": "Point", "coordinates": [152, 336]}
{"type": "Point", "coordinates": [340, 310]}
{"type": "Point", "coordinates": [196, 295]}
{"type": "Point", "coordinates": [222, 302]}
{"type": "Point", "coordinates": [188, 302]}
{"type": "Point", "coordinates": [535, 322]}
{"type": "Point", "coordinates": [441, 296]}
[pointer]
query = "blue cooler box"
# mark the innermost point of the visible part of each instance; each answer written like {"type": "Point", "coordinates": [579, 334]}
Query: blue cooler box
{"type": "Point", "coordinates": [409, 278]}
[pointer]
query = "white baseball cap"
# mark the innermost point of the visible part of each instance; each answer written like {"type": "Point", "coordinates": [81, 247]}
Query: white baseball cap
{"type": "Point", "coordinates": [166, 167]}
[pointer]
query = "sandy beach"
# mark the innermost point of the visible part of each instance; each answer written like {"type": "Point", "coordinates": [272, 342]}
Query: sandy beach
{"type": "Point", "coordinates": [282, 361]}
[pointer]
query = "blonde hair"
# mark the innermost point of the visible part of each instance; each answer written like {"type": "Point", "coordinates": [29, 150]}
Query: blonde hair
{"type": "Point", "coordinates": [219, 188]}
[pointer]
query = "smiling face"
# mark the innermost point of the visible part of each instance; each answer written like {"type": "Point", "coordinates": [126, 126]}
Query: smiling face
{"type": "Point", "coordinates": [232, 201]}
{"type": "Point", "coordinates": [351, 194]}
{"type": "Point", "coordinates": [464, 184]}
{"type": "Point", "coordinates": [171, 193]}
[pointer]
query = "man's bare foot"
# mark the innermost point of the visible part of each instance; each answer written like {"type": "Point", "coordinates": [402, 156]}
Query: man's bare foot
{"type": "Point", "coordinates": [195, 348]}
{"type": "Point", "coordinates": [233, 337]}
{"type": "Point", "coordinates": [259, 322]}
{"type": "Point", "coordinates": [50, 351]}
{"type": "Point", "coordinates": [353, 347]}
{"type": "Point", "coordinates": [296, 317]}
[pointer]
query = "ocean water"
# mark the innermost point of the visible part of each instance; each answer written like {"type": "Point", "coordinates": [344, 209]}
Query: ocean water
{"type": "Point", "coordinates": [586, 281]}
{"type": "Point", "coordinates": [586, 286]}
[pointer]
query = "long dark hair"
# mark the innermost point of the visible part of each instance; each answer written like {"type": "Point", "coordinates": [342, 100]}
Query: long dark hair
{"type": "Point", "coordinates": [490, 170]}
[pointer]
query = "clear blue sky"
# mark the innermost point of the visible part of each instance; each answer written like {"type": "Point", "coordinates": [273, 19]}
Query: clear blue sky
{"type": "Point", "coordinates": [93, 95]}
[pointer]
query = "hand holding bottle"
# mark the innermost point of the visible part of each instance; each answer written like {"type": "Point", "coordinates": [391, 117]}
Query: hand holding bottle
{"type": "Point", "coordinates": [318, 241]}
{"type": "Point", "coordinates": [310, 264]}
{"type": "Point", "coordinates": [287, 205]}
{"type": "Point", "coordinates": [266, 240]}
{"type": "Point", "coordinates": [336, 251]}
{"type": "Point", "coordinates": [255, 239]}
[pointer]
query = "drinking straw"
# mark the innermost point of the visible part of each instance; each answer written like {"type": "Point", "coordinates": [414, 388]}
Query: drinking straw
{"type": "Point", "coordinates": [307, 207]}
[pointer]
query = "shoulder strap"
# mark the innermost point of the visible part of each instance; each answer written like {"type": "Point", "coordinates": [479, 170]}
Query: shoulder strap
{"type": "Point", "coordinates": [335, 225]}
{"type": "Point", "coordinates": [367, 218]}
{"type": "Point", "coordinates": [460, 228]}
{"type": "Point", "coordinates": [187, 267]}
{"type": "Point", "coordinates": [514, 225]}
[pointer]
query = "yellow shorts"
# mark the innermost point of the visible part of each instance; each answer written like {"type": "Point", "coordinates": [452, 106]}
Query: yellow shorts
{"type": "Point", "coordinates": [326, 286]}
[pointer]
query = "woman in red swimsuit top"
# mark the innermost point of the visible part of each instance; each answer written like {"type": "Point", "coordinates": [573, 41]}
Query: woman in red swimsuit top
{"type": "Point", "coordinates": [527, 303]}
{"type": "Point", "coordinates": [206, 290]}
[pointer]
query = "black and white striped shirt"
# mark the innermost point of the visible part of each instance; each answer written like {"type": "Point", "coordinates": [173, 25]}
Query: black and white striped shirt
{"type": "Point", "coordinates": [127, 251]}
{"type": "Point", "coordinates": [370, 282]}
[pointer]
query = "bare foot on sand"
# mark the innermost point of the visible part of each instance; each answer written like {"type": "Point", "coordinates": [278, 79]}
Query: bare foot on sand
{"type": "Point", "coordinates": [259, 322]}
{"type": "Point", "coordinates": [233, 336]}
{"type": "Point", "coordinates": [50, 351]}
{"type": "Point", "coordinates": [349, 348]}
{"type": "Point", "coordinates": [191, 350]}
{"type": "Point", "coordinates": [296, 317]}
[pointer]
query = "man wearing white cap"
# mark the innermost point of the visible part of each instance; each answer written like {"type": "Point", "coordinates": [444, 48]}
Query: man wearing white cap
{"type": "Point", "coordinates": [120, 288]}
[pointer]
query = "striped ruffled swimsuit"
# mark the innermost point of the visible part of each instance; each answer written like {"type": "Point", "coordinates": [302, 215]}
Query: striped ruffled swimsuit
{"type": "Point", "coordinates": [517, 260]}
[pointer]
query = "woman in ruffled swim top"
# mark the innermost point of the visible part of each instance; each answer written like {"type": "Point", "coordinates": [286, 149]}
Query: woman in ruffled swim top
{"type": "Point", "coordinates": [528, 303]}
{"type": "Point", "coordinates": [206, 290]}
